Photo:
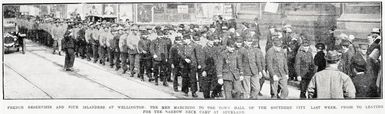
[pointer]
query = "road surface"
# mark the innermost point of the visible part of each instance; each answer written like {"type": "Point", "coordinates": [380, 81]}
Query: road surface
{"type": "Point", "coordinates": [39, 74]}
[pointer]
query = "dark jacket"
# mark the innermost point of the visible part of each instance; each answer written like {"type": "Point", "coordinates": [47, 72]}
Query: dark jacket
{"type": "Point", "coordinates": [144, 45]}
{"type": "Point", "coordinates": [68, 42]}
{"type": "Point", "coordinates": [304, 64]}
{"type": "Point", "coordinates": [229, 66]}
{"type": "Point", "coordinates": [191, 51]}
{"type": "Point", "coordinates": [276, 62]}
{"type": "Point", "coordinates": [320, 61]}
{"type": "Point", "coordinates": [160, 47]}
{"type": "Point", "coordinates": [252, 61]}
{"type": "Point", "coordinates": [175, 55]}
{"type": "Point", "coordinates": [210, 55]}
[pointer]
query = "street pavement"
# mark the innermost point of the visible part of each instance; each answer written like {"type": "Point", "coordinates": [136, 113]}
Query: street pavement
{"type": "Point", "coordinates": [38, 74]}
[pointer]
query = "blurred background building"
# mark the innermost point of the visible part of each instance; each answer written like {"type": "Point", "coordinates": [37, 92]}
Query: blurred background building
{"type": "Point", "coordinates": [314, 19]}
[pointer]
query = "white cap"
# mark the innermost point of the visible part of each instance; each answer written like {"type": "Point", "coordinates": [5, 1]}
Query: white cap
{"type": "Point", "coordinates": [351, 38]}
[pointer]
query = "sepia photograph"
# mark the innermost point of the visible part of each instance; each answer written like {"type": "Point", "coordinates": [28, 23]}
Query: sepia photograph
{"type": "Point", "coordinates": [192, 50]}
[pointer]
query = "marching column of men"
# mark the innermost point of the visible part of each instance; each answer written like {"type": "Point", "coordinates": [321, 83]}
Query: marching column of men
{"type": "Point", "coordinates": [220, 60]}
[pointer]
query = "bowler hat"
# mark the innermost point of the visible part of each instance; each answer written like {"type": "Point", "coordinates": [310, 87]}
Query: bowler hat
{"type": "Point", "coordinates": [320, 46]}
{"type": "Point", "coordinates": [333, 55]}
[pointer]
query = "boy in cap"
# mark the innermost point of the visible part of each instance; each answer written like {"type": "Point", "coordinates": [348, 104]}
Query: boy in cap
{"type": "Point", "coordinates": [132, 44]}
{"type": "Point", "coordinates": [103, 44]}
{"type": "Point", "coordinates": [331, 83]}
{"type": "Point", "coordinates": [253, 65]}
{"type": "Point", "coordinates": [95, 43]}
{"type": "Point", "coordinates": [124, 49]}
{"type": "Point", "coordinates": [160, 49]}
{"type": "Point", "coordinates": [208, 77]}
{"type": "Point", "coordinates": [191, 63]}
{"type": "Point", "coordinates": [304, 67]}
{"type": "Point", "coordinates": [145, 56]}
{"type": "Point", "coordinates": [175, 60]}
{"type": "Point", "coordinates": [276, 61]}
{"type": "Point", "coordinates": [230, 72]}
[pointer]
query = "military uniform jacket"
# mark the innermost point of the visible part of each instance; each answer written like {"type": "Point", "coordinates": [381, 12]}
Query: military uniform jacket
{"type": "Point", "coordinates": [109, 39]}
{"type": "Point", "coordinates": [123, 44]}
{"type": "Point", "coordinates": [144, 45]}
{"type": "Point", "coordinates": [88, 36]}
{"type": "Point", "coordinates": [95, 34]}
{"type": "Point", "coordinates": [160, 47]}
{"type": "Point", "coordinates": [229, 66]}
{"type": "Point", "coordinates": [276, 62]}
{"type": "Point", "coordinates": [68, 42]}
{"type": "Point", "coordinates": [210, 55]}
{"type": "Point", "coordinates": [304, 64]}
{"type": "Point", "coordinates": [175, 54]}
{"type": "Point", "coordinates": [56, 32]}
{"type": "Point", "coordinates": [252, 61]}
{"type": "Point", "coordinates": [132, 43]}
{"type": "Point", "coordinates": [114, 44]}
{"type": "Point", "coordinates": [191, 51]}
{"type": "Point", "coordinates": [103, 39]}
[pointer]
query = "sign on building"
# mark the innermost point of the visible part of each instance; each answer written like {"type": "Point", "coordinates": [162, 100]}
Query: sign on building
{"type": "Point", "coordinates": [271, 7]}
{"type": "Point", "coordinates": [183, 9]}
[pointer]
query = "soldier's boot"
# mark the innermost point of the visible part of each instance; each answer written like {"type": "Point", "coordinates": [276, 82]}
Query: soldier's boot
{"type": "Point", "coordinates": [220, 94]}
{"type": "Point", "coordinates": [150, 77]}
{"type": "Point", "coordinates": [124, 71]}
{"type": "Point", "coordinates": [156, 81]}
{"type": "Point", "coordinates": [132, 73]}
{"type": "Point", "coordinates": [176, 89]}
{"type": "Point", "coordinates": [117, 67]}
{"type": "Point", "coordinates": [194, 95]}
{"type": "Point", "coordinates": [165, 83]}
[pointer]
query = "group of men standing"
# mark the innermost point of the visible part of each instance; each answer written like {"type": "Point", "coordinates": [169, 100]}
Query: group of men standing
{"type": "Point", "coordinates": [207, 58]}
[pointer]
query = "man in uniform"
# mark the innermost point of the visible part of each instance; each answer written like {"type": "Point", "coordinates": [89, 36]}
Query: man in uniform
{"type": "Point", "coordinates": [331, 83]}
{"type": "Point", "coordinates": [304, 67]}
{"type": "Point", "coordinates": [56, 36]}
{"type": "Point", "coordinates": [75, 31]}
{"type": "Point", "coordinates": [132, 44]}
{"type": "Point", "coordinates": [230, 72]}
{"type": "Point", "coordinates": [276, 61]}
{"type": "Point", "coordinates": [68, 48]}
{"type": "Point", "coordinates": [111, 45]}
{"type": "Point", "coordinates": [253, 65]}
{"type": "Point", "coordinates": [120, 32]}
{"type": "Point", "coordinates": [89, 41]}
{"type": "Point", "coordinates": [124, 49]}
{"type": "Point", "coordinates": [209, 79]}
{"type": "Point", "coordinates": [175, 60]}
{"type": "Point", "coordinates": [95, 43]}
{"type": "Point", "coordinates": [82, 42]}
{"type": "Point", "coordinates": [103, 44]}
{"type": "Point", "coordinates": [160, 50]}
{"type": "Point", "coordinates": [145, 55]}
{"type": "Point", "coordinates": [190, 66]}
